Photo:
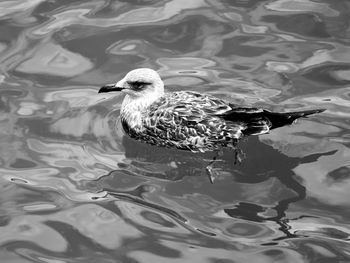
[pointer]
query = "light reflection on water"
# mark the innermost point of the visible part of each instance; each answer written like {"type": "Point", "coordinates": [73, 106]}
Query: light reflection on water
{"type": "Point", "coordinates": [75, 189]}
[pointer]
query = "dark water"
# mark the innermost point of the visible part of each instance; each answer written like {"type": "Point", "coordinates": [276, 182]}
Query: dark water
{"type": "Point", "coordinates": [75, 189]}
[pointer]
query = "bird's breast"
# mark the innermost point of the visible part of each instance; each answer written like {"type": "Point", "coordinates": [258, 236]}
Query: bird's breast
{"type": "Point", "coordinates": [132, 117]}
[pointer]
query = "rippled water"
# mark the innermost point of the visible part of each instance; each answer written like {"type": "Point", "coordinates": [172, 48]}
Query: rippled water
{"type": "Point", "coordinates": [75, 189]}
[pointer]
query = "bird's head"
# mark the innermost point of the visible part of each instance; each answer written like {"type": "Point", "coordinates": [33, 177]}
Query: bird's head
{"type": "Point", "coordinates": [138, 83]}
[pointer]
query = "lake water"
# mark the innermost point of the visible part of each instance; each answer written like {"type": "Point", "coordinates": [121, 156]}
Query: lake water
{"type": "Point", "coordinates": [74, 188]}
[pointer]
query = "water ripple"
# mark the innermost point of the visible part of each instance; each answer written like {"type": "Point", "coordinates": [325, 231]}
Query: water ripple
{"type": "Point", "coordinates": [74, 188]}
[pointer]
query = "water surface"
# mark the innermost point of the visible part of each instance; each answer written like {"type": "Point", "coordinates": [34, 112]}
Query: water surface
{"type": "Point", "coordinates": [74, 188]}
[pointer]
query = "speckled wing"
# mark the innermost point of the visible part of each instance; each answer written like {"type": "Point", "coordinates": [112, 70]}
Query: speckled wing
{"type": "Point", "coordinates": [190, 120]}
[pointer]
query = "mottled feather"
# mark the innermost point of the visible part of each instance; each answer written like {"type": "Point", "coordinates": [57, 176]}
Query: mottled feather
{"type": "Point", "coordinates": [187, 120]}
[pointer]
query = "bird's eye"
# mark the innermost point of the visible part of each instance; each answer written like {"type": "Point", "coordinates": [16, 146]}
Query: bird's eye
{"type": "Point", "coordinates": [138, 84]}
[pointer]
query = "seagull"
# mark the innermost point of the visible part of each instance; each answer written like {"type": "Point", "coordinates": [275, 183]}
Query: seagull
{"type": "Point", "coordinates": [189, 120]}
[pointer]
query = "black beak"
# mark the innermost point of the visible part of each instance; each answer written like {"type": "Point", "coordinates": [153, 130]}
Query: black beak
{"type": "Point", "coordinates": [109, 88]}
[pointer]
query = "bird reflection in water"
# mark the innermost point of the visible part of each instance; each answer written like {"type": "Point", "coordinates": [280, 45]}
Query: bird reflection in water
{"type": "Point", "coordinates": [175, 165]}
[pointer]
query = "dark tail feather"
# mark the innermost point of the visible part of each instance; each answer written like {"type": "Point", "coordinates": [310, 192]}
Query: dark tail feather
{"type": "Point", "coordinates": [281, 119]}
{"type": "Point", "coordinates": [261, 121]}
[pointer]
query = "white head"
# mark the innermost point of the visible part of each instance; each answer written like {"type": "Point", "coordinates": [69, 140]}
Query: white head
{"type": "Point", "coordinates": [143, 86]}
{"type": "Point", "coordinates": [138, 83]}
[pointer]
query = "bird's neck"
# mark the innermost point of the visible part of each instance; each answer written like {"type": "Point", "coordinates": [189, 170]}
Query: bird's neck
{"type": "Point", "coordinates": [133, 110]}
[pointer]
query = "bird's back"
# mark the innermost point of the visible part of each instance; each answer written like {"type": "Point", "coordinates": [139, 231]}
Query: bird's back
{"type": "Point", "coordinates": [188, 120]}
